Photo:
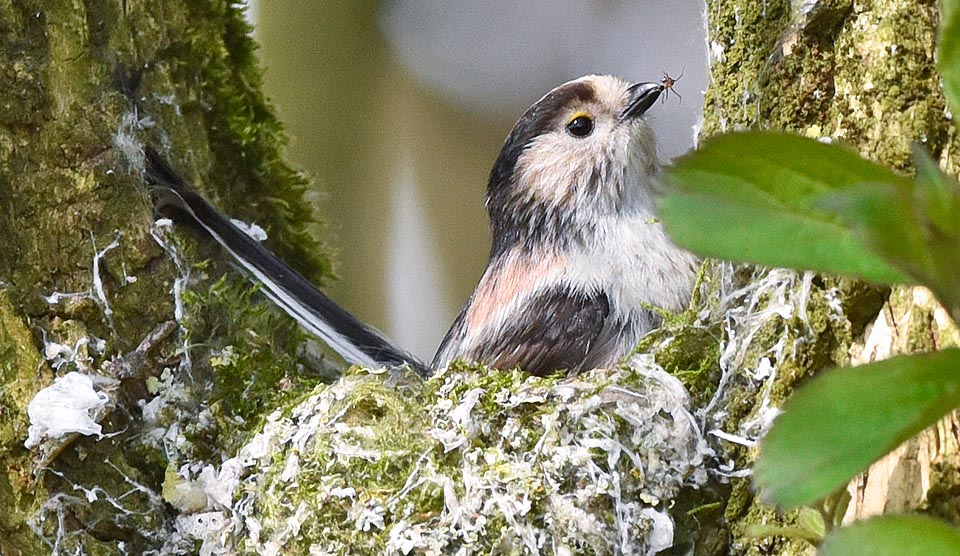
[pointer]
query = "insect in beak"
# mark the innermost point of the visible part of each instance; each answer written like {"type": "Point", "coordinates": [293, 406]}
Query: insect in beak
{"type": "Point", "coordinates": [668, 83]}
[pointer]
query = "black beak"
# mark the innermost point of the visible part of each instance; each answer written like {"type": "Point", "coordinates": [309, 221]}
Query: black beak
{"type": "Point", "coordinates": [642, 97]}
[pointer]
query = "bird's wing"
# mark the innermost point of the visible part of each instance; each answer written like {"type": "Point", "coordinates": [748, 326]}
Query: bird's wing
{"type": "Point", "coordinates": [553, 330]}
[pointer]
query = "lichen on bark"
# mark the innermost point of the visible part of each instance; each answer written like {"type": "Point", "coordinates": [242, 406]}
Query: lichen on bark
{"type": "Point", "coordinates": [82, 87]}
{"type": "Point", "coordinates": [857, 72]}
{"type": "Point", "coordinates": [21, 372]}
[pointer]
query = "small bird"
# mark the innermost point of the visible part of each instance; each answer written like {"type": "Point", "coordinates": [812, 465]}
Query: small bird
{"type": "Point", "coordinates": [578, 262]}
{"type": "Point", "coordinates": [578, 258]}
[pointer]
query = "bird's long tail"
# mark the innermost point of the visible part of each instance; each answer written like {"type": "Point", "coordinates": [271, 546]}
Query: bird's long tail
{"type": "Point", "coordinates": [356, 342]}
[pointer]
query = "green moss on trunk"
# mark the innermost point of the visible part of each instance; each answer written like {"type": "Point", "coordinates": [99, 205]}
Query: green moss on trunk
{"type": "Point", "coordinates": [82, 85]}
{"type": "Point", "coordinates": [22, 373]}
{"type": "Point", "coordinates": [861, 73]}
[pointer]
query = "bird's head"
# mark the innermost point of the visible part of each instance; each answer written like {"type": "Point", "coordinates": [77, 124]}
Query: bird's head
{"type": "Point", "coordinates": [581, 153]}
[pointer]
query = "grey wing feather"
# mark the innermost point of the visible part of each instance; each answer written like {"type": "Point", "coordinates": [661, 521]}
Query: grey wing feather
{"type": "Point", "coordinates": [555, 330]}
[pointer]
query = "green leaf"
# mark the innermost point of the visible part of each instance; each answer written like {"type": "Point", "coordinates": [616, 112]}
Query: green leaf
{"type": "Point", "coordinates": [948, 54]}
{"type": "Point", "coordinates": [883, 217]}
{"type": "Point", "coordinates": [916, 229]}
{"type": "Point", "coordinates": [947, 9]}
{"type": "Point", "coordinates": [937, 194]}
{"type": "Point", "coordinates": [904, 535]}
{"type": "Point", "coordinates": [757, 197]}
{"type": "Point", "coordinates": [840, 422]}
{"type": "Point", "coordinates": [811, 520]}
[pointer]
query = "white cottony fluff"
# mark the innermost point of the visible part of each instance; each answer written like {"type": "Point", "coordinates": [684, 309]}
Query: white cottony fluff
{"type": "Point", "coordinates": [66, 406]}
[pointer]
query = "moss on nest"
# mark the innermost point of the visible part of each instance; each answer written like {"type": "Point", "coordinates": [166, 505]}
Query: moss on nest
{"type": "Point", "coordinates": [473, 460]}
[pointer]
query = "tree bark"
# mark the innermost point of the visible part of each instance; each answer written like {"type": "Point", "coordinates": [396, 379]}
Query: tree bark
{"type": "Point", "coordinates": [83, 85]}
{"type": "Point", "coordinates": [861, 73]}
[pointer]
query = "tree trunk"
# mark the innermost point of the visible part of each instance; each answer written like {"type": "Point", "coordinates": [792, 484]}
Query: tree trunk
{"type": "Point", "coordinates": [860, 73]}
{"type": "Point", "coordinates": [83, 281]}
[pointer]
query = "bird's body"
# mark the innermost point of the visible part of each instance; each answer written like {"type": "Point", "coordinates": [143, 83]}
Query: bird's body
{"type": "Point", "coordinates": [584, 308]}
{"type": "Point", "coordinates": [578, 261]}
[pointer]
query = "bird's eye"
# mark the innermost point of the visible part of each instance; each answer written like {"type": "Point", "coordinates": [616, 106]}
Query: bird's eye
{"type": "Point", "coordinates": [580, 125]}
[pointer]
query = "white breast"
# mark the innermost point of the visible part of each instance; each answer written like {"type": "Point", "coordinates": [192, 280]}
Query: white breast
{"type": "Point", "coordinates": [635, 263]}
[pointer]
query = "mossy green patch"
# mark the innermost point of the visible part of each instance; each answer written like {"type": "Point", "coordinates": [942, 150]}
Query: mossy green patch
{"type": "Point", "coordinates": [248, 356]}
{"type": "Point", "coordinates": [471, 460]}
{"type": "Point", "coordinates": [241, 157]}
{"type": "Point", "coordinates": [943, 498]}
{"type": "Point", "coordinates": [689, 352]}
{"type": "Point", "coordinates": [83, 86]}
{"type": "Point", "coordinates": [687, 345]}
{"type": "Point", "coordinates": [22, 374]}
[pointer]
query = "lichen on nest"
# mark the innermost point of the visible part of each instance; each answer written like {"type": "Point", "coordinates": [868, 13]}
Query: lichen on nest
{"type": "Point", "coordinates": [476, 461]}
{"type": "Point", "coordinates": [472, 461]}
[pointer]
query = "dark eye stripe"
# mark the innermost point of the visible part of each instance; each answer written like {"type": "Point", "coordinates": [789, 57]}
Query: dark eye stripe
{"type": "Point", "coordinates": [538, 119]}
